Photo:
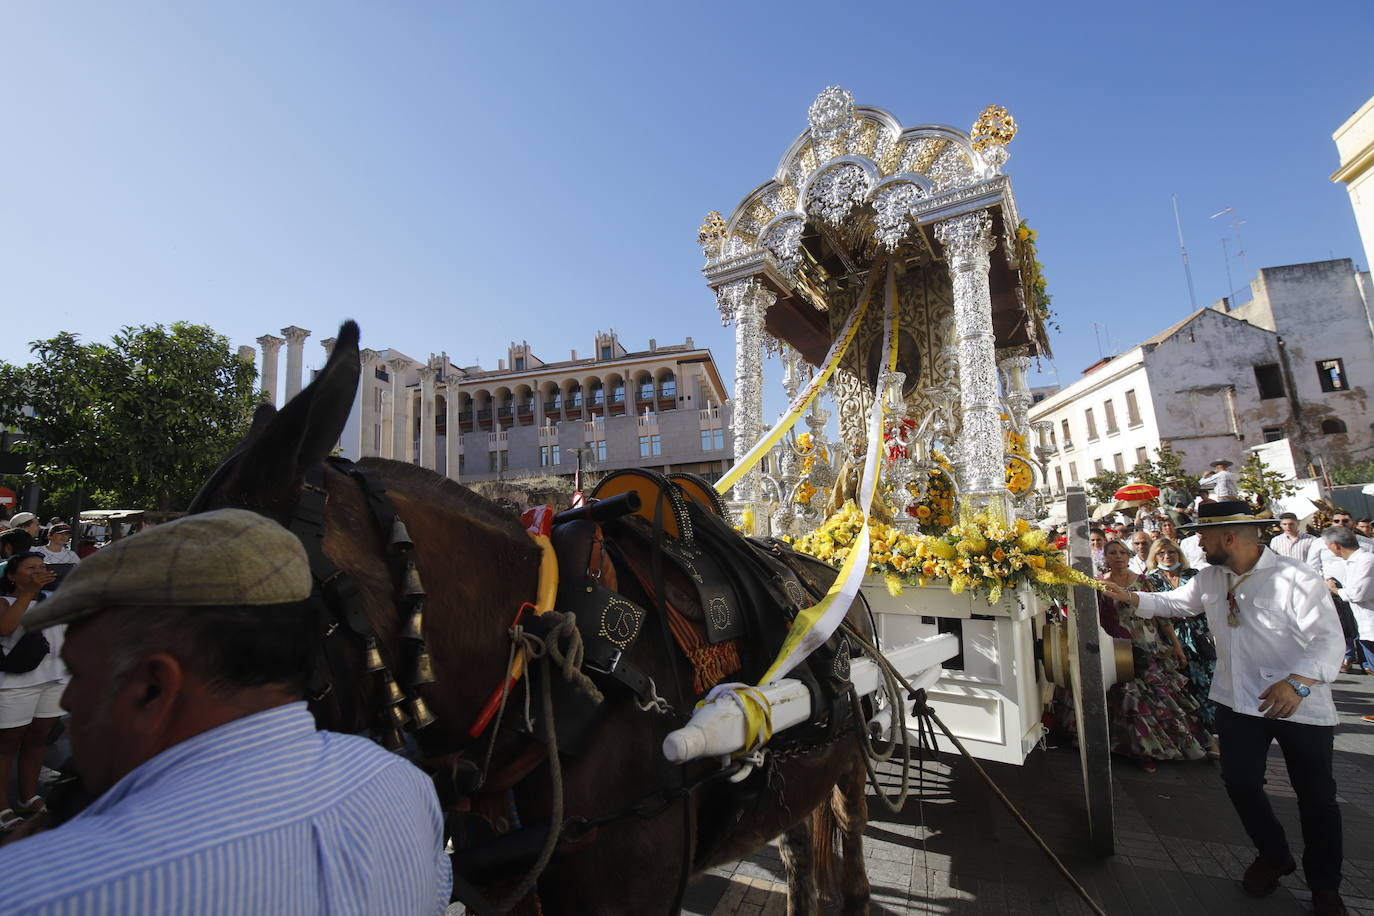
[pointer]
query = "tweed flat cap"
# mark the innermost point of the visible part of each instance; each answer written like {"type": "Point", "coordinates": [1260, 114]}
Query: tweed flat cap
{"type": "Point", "coordinates": [225, 557]}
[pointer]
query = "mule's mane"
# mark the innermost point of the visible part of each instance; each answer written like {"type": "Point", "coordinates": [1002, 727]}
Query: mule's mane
{"type": "Point", "coordinates": [423, 484]}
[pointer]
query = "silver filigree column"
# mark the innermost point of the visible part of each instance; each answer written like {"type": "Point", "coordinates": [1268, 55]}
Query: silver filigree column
{"type": "Point", "coordinates": [746, 301]}
{"type": "Point", "coordinates": [967, 241]}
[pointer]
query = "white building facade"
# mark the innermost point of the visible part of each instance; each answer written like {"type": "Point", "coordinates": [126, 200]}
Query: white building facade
{"type": "Point", "coordinates": [1193, 386]}
{"type": "Point", "coordinates": [1355, 146]}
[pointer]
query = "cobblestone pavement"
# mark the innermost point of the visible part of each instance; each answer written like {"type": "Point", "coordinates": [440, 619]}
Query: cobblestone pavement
{"type": "Point", "coordinates": [1180, 848]}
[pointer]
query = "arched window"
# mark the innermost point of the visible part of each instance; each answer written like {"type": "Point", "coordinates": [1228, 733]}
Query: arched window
{"type": "Point", "coordinates": [1332, 427]}
{"type": "Point", "coordinates": [597, 395]}
{"type": "Point", "coordinates": [667, 387]}
{"type": "Point", "coordinates": [646, 388]}
{"type": "Point", "coordinates": [575, 395]}
{"type": "Point", "coordinates": [618, 391]}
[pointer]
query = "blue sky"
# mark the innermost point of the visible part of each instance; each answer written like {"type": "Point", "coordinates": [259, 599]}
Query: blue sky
{"type": "Point", "coordinates": [458, 176]}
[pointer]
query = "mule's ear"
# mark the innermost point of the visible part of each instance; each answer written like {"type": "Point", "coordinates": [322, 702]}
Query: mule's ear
{"type": "Point", "coordinates": [304, 431]}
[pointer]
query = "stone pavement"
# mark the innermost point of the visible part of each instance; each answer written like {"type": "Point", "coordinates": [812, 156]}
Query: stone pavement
{"type": "Point", "coordinates": [1180, 848]}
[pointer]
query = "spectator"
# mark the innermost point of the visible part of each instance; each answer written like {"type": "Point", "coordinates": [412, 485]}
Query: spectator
{"type": "Point", "coordinates": [1175, 499]}
{"type": "Point", "coordinates": [1332, 567]}
{"type": "Point", "coordinates": [1280, 657]}
{"type": "Point", "coordinates": [1192, 640]}
{"type": "Point", "coordinates": [1168, 529]}
{"type": "Point", "coordinates": [1221, 483]}
{"type": "Point", "coordinates": [1153, 716]}
{"type": "Point", "coordinates": [1140, 543]}
{"type": "Point", "coordinates": [15, 541]}
{"type": "Point", "coordinates": [1097, 540]}
{"type": "Point", "coordinates": [188, 647]}
{"type": "Point", "coordinates": [26, 521]}
{"type": "Point", "coordinates": [1292, 541]}
{"type": "Point", "coordinates": [57, 550]}
{"type": "Point", "coordinates": [1357, 591]}
{"type": "Point", "coordinates": [1193, 553]}
{"type": "Point", "coordinates": [29, 699]}
{"type": "Point", "coordinates": [1365, 527]}
{"type": "Point", "coordinates": [1147, 518]}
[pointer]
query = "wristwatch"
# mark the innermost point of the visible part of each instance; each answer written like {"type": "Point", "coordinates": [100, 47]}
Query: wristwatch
{"type": "Point", "coordinates": [1302, 689]}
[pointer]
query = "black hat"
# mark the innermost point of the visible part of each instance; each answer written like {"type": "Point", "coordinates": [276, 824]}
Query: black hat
{"type": "Point", "coordinates": [1223, 462]}
{"type": "Point", "coordinates": [1224, 512]}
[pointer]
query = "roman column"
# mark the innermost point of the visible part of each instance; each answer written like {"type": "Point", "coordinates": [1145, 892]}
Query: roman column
{"type": "Point", "coordinates": [367, 405]}
{"type": "Point", "coordinates": [270, 348]}
{"type": "Point", "coordinates": [427, 445]}
{"type": "Point", "coordinates": [453, 441]}
{"type": "Point", "coordinates": [400, 409]}
{"type": "Point", "coordinates": [295, 352]}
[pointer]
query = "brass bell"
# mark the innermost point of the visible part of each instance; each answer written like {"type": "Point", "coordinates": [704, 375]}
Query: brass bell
{"type": "Point", "coordinates": [374, 655]}
{"type": "Point", "coordinates": [393, 692]}
{"type": "Point", "coordinates": [424, 670]}
{"type": "Point", "coordinates": [398, 716]}
{"type": "Point", "coordinates": [391, 739]}
{"type": "Point", "coordinates": [414, 629]}
{"type": "Point", "coordinates": [400, 537]}
{"type": "Point", "coordinates": [421, 713]}
{"type": "Point", "coordinates": [411, 586]}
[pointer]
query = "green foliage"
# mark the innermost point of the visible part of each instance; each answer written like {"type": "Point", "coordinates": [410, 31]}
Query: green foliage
{"type": "Point", "coordinates": [1261, 486]}
{"type": "Point", "coordinates": [144, 418]}
{"type": "Point", "coordinates": [1346, 474]}
{"type": "Point", "coordinates": [1102, 488]}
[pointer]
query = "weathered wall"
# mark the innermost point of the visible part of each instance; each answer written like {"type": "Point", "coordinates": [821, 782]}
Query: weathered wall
{"type": "Point", "coordinates": [1319, 312]}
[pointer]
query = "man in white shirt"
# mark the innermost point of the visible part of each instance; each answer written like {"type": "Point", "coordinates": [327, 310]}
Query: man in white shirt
{"type": "Point", "coordinates": [1357, 588]}
{"type": "Point", "coordinates": [1192, 551]}
{"type": "Point", "coordinates": [1221, 483]}
{"type": "Point", "coordinates": [1292, 541]}
{"type": "Point", "coordinates": [1279, 647]}
{"type": "Point", "coordinates": [1140, 545]}
{"type": "Point", "coordinates": [1333, 568]}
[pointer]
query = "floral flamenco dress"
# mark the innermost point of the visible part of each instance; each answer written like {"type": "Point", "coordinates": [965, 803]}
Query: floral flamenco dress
{"type": "Point", "coordinates": [1154, 716]}
{"type": "Point", "coordinates": [1198, 647]}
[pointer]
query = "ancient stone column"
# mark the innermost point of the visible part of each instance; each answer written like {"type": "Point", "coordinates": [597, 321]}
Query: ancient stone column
{"type": "Point", "coordinates": [967, 241]}
{"type": "Point", "coordinates": [453, 440]}
{"type": "Point", "coordinates": [427, 446]}
{"type": "Point", "coordinates": [367, 405]}
{"type": "Point", "coordinates": [746, 301]}
{"type": "Point", "coordinates": [270, 347]}
{"type": "Point", "coordinates": [295, 362]}
{"type": "Point", "coordinates": [400, 409]}
{"type": "Point", "coordinates": [247, 354]}
{"type": "Point", "coordinates": [328, 345]}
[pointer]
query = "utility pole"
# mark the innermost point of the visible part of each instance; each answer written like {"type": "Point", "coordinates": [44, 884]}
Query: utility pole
{"type": "Point", "coordinates": [1183, 250]}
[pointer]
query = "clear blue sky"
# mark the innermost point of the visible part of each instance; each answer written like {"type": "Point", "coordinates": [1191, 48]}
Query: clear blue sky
{"type": "Point", "coordinates": [460, 175]}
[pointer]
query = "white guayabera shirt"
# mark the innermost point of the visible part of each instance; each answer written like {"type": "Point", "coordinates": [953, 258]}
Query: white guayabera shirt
{"type": "Point", "coordinates": [1287, 625]}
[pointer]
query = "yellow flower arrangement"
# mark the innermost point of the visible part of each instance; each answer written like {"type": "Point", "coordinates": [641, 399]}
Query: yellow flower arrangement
{"type": "Point", "coordinates": [805, 447]}
{"type": "Point", "coordinates": [981, 552]}
{"type": "Point", "coordinates": [1018, 474]}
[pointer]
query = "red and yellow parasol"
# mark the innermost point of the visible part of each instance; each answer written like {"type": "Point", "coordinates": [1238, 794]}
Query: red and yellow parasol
{"type": "Point", "coordinates": [1136, 493]}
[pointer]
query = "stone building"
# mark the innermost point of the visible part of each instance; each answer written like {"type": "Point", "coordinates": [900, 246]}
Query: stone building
{"type": "Point", "coordinates": [664, 407]}
{"type": "Point", "coordinates": [1295, 361]}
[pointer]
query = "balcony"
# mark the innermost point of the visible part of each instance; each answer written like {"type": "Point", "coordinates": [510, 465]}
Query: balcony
{"type": "Point", "coordinates": [553, 406]}
{"type": "Point", "coordinates": [496, 441]}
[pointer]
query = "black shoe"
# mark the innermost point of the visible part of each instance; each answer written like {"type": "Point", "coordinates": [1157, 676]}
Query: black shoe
{"type": "Point", "coordinates": [1328, 903]}
{"type": "Point", "coordinates": [1262, 877]}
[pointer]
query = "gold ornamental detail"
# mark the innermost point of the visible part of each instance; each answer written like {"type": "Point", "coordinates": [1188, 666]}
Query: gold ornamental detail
{"type": "Point", "coordinates": [713, 230]}
{"type": "Point", "coordinates": [994, 127]}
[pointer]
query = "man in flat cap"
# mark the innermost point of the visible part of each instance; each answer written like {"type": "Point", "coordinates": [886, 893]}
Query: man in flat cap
{"type": "Point", "coordinates": [1279, 648]}
{"type": "Point", "coordinates": [187, 647]}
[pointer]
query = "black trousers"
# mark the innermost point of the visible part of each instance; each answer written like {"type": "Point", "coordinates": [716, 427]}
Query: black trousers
{"type": "Point", "coordinates": [1307, 751]}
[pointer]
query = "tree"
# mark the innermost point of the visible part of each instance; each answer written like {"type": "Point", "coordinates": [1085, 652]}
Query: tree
{"type": "Point", "coordinates": [1345, 474]}
{"type": "Point", "coordinates": [1262, 486]}
{"type": "Point", "coordinates": [1167, 463]}
{"type": "Point", "coordinates": [1102, 487]}
{"type": "Point", "coordinates": [144, 419]}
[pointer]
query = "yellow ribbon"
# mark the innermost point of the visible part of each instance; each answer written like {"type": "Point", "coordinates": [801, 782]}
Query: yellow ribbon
{"type": "Point", "coordinates": [803, 400]}
{"type": "Point", "coordinates": [813, 626]}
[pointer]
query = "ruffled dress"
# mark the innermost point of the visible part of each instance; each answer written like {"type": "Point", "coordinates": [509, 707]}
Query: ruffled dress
{"type": "Point", "coordinates": [1154, 715]}
{"type": "Point", "coordinates": [1193, 634]}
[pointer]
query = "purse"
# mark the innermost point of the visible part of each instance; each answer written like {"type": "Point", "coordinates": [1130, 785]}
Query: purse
{"type": "Point", "coordinates": [25, 655]}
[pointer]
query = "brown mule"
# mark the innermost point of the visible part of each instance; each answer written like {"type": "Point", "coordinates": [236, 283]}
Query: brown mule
{"type": "Point", "coordinates": [478, 567]}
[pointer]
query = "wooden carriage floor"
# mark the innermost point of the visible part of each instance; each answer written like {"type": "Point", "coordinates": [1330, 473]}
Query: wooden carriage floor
{"type": "Point", "coordinates": [1180, 847]}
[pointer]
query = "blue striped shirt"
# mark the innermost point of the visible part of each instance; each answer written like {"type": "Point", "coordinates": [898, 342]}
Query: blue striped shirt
{"type": "Point", "coordinates": [262, 815]}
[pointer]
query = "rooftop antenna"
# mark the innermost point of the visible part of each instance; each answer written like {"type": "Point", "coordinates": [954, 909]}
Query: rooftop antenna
{"type": "Point", "coordinates": [1098, 337]}
{"type": "Point", "coordinates": [1183, 250]}
{"type": "Point", "coordinates": [1236, 223]}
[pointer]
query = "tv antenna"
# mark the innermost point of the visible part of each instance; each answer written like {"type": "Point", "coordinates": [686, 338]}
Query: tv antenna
{"type": "Point", "coordinates": [1183, 250]}
{"type": "Point", "coordinates": [1236, 223]}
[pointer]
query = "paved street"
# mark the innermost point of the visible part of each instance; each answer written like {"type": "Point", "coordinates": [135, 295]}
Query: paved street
{"type": "Point", "coordinates": [1180, 847]}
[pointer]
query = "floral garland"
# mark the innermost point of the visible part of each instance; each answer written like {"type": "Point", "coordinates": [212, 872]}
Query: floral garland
{"type": "Point", "coordinates": [1039, 288]}
{"type": "Point", "coordinates": [1018, 473]}
{"type": "Point", "coordinates": [806, 492]}
{"type": "Point", "coordinates": [981, 553]}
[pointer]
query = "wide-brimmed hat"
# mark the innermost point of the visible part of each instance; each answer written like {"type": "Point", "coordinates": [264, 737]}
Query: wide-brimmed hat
{"type": "Point", "coordinates": [1220, 461]}
{"type": "Point", "coordinates": [1224, 512]}
{"type": "Point", "coordinates": [227, 557]}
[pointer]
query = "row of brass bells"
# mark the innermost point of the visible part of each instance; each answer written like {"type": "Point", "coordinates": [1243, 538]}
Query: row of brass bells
{"type": "Point", "coordinates": [411, 586]}
{"type": "Point", "coordinates": [415, 626]}
{"type": "Point", "coordinates": [374, 655]}
{"type": "Point", "coordinates": [400, 537]}
{"type": "Point", "coordinates": [424, 669]}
